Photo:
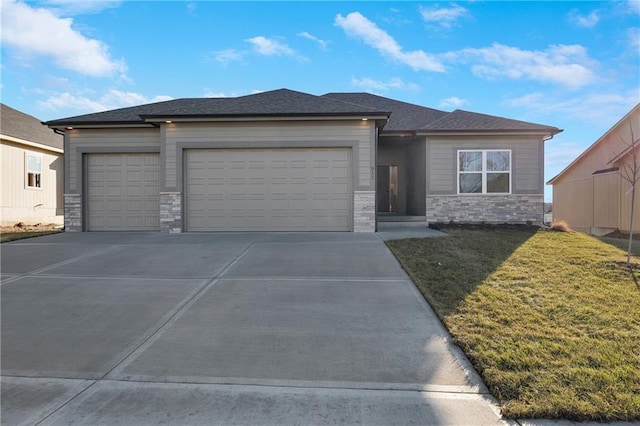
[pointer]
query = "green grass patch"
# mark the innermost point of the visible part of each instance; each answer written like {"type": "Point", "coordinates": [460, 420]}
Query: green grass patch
{"type": "Point", "coordinates": [13, 236]}
{"type": "Point", "coordinates": [548, 319]}
{"type": "Point", "coordinates": [623, 244]}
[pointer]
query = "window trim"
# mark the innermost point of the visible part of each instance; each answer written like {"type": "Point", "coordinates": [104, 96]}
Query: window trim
{"type": "Point", "coordinates": [27, 171]}
{"type": "Point", "coordinates": [484, 171]}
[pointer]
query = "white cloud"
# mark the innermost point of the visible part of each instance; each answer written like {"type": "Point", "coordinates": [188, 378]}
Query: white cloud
{"type": "Point", "coordinates": [602, 109]}
{"type": "Point", "coordinates": [38, 32]}
{"type": "Point", "coordinates": [443, 16]}
{"type": "Point", "coordinates": [567, 65]}
{"type": "Point", "coordinates": [357, 26]}
{"type": "Point", "coordinates": [558, 153]}
{"type": "Point", "coordinates": [110, 100]}
{"type": "Point", "coordinates": [633, 6]}
{"type": "Point", "coordinates": [322, 43]}
{"type": "Point", "coordinates": [588, 21]}
{"type": "Point", "coordinates": [269, 46]}
{"type": "Point", "coordinates": [453, 102]}
{"type": "Point", "coordinates": [210, 94]}
{"type": "Point", "coordinates": [75, 7]}
{"type": "Point", "coordinates": [372, 85]}
{"type": "Point", "coordinates": [228, 55]}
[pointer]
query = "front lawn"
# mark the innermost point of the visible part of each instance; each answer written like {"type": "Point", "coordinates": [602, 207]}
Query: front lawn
{"type": "Point", "coordinates": [548, 319]}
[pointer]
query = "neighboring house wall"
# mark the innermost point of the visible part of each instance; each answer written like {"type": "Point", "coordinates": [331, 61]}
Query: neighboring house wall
{"type": "Point", "coordinates": [171, 140]}
{"type": "Point", "coordinates": [20, 203]}
{"type": "Point", "coordinates": [591, 201]}
{"type": "Point", "coordinates": [525, 202]}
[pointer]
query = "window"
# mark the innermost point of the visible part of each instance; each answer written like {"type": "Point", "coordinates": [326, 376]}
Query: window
{"type": "Point", "coordinates": [34, 170]}
{"type": "Point", "coordinates": [484, 172]}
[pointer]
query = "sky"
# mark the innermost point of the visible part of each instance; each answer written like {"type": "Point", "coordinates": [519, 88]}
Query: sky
{"type": "Point", "coordinates": [573, 65]}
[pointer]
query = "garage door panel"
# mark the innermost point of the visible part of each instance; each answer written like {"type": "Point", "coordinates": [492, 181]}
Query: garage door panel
{"type": "Point", "coordinates": [123, 192]}
{"type": "Point", "coordinates": [268, 189]}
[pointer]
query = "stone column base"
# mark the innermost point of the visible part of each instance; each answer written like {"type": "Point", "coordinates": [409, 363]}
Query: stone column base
{"type": "Point", "coordinates": [171, 212]}
{"type": "Point", "coordinates": [72, 212]}
{"type": "Point", "coordinates": [364, 211]}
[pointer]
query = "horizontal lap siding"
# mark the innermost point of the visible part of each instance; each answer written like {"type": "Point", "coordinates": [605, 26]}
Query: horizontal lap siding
{"type": "Point", "coordinates": [270, 135]}
{"type": "Point", "coordinates": [526, 161]}
{"type": "Point", "coordinates": [19, 203]}
{"type": "Point", "coordinates": [104, 140]}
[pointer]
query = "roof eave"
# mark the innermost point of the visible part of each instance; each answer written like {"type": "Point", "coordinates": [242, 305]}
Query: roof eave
{"type": "Point", "coordinates": [543, 132]}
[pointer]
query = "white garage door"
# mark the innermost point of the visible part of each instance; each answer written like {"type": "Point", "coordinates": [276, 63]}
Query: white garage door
{"type": "Point", "coordinates": [123, 192]}
{"type": "Point", "coordinates": [268, 189]}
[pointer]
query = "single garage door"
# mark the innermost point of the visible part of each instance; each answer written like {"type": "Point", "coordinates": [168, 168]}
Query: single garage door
{"type": "Point", "coordinates": [268, 189]}
{"type": "Point", "coordinates": [123, 192]}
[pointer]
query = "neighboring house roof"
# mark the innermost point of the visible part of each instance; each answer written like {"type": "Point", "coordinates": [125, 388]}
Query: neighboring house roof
{"type": "Point", "coordinates": [282, 102]}
{"type": "Point", "coordinates": [18, 125]}
{"type": "Point", "coordinates": [463, 121]}
{"type": "Point", "coordinates": [600, 140]}
{"type": "Point", "coordinates": [404, 116]}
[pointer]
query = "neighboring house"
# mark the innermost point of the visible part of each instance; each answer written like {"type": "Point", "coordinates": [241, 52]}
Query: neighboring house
{"type": "Point", "coordinates": [590, 195]}
{"type": "Point", "coordinates": [31, 181]}
{"type": "Point", "coordinates": [548, 213]}
{"type": "Point", "coordinates": [290, 161]}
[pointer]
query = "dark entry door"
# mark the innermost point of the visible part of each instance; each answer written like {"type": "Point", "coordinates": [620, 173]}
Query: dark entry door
{"type": "Point", "coordinates": [387, 189]}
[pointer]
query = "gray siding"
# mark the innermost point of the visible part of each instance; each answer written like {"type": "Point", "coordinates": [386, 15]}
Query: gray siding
{"type": "Point", "coordinates": [104, 141]}
{"type": "Point", "coordinates": [359, 135]}
{"type": "Point", "coordinates": [416, 178]}
{"type": "Point", "coordinates": [526, 155]}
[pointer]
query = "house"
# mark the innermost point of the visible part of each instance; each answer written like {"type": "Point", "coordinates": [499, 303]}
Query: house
{"type": "Point", "coordinates": [590, 193]}
{"type": "Point", "coordinates": [548, 213]}
{"type": "Point", "coordinates": [289, 161]}
{"type": "Point", "coordinates": [31, 180]}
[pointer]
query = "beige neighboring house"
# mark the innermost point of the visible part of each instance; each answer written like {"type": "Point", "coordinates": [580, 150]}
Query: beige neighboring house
{"type": "Point", "coordinates": [590, 194]}
{"type": "Point", "coordinates": [32, 176]}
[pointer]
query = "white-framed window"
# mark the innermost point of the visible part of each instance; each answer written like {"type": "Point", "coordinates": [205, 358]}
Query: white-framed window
{"type": "Point", "coordinates": [484, 171]}
{"type": "Point", "coordinates": [33, 167]}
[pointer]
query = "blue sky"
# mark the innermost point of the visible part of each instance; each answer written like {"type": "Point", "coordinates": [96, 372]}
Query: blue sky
{"type": "Point", "coordinates": [574, 65]}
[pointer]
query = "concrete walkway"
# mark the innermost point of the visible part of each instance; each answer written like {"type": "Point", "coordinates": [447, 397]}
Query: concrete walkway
{"type": "Point", "coordinates": [277, 328]}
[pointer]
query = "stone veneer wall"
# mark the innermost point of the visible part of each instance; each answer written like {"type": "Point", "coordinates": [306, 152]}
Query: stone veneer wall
{"type": "Point", "coordinates": [512, 208]}
{"type": "Point", "coordinates": [171, 212]}
{"type": "Point", "coordinates": [364, 211]}
{"type": "Point", "coordinates": [72, 212]}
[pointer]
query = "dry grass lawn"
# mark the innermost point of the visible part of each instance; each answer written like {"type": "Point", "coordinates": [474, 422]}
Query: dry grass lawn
{"type": "Point", "coordinates": [548, 319]}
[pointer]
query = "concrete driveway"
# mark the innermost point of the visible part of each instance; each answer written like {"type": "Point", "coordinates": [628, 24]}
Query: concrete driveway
{"type": "Point", "coordinates": [246, 328]}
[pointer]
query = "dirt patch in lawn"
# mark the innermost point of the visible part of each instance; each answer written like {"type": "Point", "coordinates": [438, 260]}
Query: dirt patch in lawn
{"type": "Point", "coordinates": [20, 231]}
{"type": "Point", "coordinates": [21, 227]}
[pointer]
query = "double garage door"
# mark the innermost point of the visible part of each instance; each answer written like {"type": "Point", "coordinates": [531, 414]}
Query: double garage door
{"type": "Point", "coordinates": [226, 190]}
{"type": "Point", "coordinates": [268, 190]}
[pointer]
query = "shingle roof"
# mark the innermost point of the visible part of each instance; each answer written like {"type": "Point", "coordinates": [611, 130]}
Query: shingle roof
{"type": "Point", "coordinates": [404, 116]}
{"type": "Point", "coordinates": [460, 120]}
{"type": "Point", "coordinates": [273, 103]}
{"type": "Point", "coordinates": [19, 125]}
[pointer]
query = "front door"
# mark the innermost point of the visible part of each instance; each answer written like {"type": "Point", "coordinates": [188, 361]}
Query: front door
{"type": "Point", "coordinates": [387, 190]}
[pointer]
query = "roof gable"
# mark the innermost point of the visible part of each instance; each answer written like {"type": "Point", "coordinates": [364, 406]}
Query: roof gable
{"type": "Point", "coordinates": [23, 126]}
{"type": "Point", "coordinates": [404, 116]}
{"type": "Point", "coordinates": [601, 139]}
